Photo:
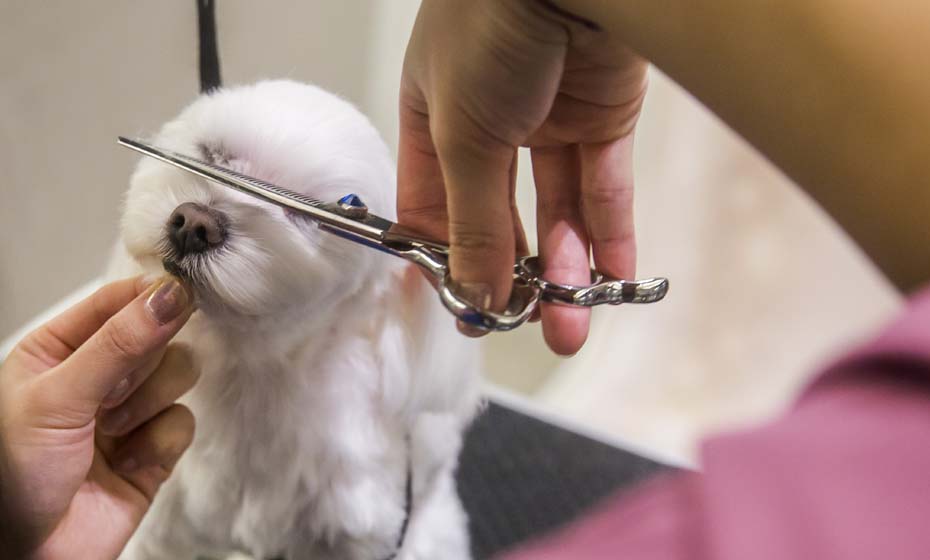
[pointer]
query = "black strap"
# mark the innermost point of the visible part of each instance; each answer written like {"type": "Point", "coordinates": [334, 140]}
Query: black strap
{"type": "Point", "coordinates": [209, 53]}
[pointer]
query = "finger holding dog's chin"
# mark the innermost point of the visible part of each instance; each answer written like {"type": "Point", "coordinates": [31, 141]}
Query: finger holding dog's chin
{"type": "Point", "coordinates": [174, 375]}
{"type": "Point", "coordinates": [104, 368]}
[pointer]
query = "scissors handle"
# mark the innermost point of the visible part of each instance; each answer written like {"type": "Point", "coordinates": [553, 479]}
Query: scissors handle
{"type": "Point", "coordinates": [601, 290]}
{"type": "Point", "coordinates": [524, 298]}
{"type": "Point", "coordinates": [529, 288]}
{"type": "Point", "coordinates": [433, 257]}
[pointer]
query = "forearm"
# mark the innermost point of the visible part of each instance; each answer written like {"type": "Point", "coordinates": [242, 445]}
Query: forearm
{"type": "Point", "coordinates": [834, 92]}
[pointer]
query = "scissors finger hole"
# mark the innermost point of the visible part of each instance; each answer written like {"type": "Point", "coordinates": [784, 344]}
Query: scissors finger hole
{"type": "Point", "coordinates": [530, 269]}
{"type": "Point", "coordinates": [524, 297]}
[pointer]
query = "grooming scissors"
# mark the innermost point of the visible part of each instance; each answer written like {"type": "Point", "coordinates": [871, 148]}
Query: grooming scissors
{"type": "Point", "coordinates": [349, 218]}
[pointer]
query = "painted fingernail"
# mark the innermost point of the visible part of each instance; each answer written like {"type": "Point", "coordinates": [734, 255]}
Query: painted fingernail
{"type": "Point", "coordinates": [478, 295]}
{"type": "Point", "coordinates": [474, 293]}
{"type": "Point", "coordinates": [168, 301]}
{"type": "Point", "coordinates": [470, 330]}
{"type": "Point", "coordinates": [116, 394]}
{"type": "Point", "coordinates": [113, 422]}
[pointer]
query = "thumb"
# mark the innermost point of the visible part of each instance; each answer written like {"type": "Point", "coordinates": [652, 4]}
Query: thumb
{"type": "Point", "coordinates": [112, 354]}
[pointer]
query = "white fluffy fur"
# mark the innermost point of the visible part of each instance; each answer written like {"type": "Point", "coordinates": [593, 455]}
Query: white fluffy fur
{"type": "Point", "coordinates": [325, 366]}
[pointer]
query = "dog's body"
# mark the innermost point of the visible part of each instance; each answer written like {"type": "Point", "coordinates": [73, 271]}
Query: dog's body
{"type": "Point", "coordinates": [329, 373]}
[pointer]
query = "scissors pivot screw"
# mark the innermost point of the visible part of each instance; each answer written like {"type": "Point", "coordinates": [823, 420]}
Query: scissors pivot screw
{"type": "Point", "coordinates": [351, 206]}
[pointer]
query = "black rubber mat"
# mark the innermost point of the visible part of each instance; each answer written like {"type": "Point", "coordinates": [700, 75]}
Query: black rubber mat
{"type": "Point", "coordinates": [520, 477]}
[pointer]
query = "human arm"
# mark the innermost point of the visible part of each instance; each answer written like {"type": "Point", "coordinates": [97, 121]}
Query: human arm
{"type": "Point", "coordinates": [833, 93]}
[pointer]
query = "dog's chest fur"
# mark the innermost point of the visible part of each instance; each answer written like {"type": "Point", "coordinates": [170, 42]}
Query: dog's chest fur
{"type": "Point", "coordinates": [290, 438]}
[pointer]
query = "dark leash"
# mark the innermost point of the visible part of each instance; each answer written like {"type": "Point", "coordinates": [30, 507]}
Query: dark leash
{"type": "Point", "coordinates": [408, 507]}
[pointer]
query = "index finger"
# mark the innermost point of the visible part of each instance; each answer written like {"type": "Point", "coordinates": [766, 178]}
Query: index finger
{"type": "Point", "coordinates": [121, 345]}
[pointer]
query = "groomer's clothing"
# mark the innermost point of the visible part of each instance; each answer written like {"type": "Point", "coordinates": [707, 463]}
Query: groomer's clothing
{"type": "Point", "coordinates": [844, 474]}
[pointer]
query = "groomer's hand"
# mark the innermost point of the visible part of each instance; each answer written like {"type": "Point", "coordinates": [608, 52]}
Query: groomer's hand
{"type": "Point", "coordinates": [88, 420]}
{"type": "Point", "coordinates": [482, 77]}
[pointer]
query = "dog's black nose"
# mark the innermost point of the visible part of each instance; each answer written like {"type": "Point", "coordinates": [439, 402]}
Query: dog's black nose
{"type": "Point", "coordinates": [194, 228]}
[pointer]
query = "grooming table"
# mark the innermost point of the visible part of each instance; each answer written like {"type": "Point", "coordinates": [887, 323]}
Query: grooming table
{"type": "Point", "coordinates": [523, 472]}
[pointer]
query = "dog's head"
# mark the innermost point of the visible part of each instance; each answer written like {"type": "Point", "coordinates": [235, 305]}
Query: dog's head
{"type": "Point", "coordinates": [243, 256]}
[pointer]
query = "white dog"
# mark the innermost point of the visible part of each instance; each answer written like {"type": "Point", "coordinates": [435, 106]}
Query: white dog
{"type": "Point", "coordinates": [331, 378]}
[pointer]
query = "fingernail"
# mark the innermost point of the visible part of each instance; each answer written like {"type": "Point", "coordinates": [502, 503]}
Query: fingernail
{"type": "Point", "coordinates": [116, 394]}
{"type": "Point", "coordinates": [113, 423]}
{"type": "Point", "coordinates": [474, 293]}
{"type": "Point", "coordinates": [127, 465]}
{"type": "Point", "coordinates": [478, 295]}
{"type": "Point", "coordinates": [168, 301]}
{"type": "Point", "coordinates": [470, 330]}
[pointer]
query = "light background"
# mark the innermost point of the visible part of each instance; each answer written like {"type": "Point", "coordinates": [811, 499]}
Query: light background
{"type": "Point", "coordinates": [764, 287]}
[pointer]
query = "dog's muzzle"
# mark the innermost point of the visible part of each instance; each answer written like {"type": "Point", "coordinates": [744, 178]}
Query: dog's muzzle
{"type": "Point", "coordinates": [194, 228]}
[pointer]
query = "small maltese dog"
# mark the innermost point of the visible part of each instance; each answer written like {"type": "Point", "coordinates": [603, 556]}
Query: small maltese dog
{"type": "Point", "coordinates": [334, 390]}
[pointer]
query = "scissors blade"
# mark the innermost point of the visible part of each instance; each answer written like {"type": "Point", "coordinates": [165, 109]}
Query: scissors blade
{"type": "Point", "coordinates": [371, 228]}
